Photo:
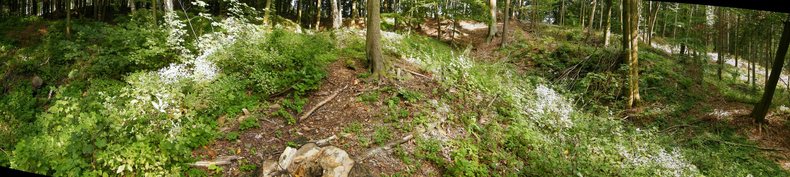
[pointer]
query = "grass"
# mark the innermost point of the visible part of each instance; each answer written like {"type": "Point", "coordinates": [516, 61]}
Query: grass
{"type": "Point", "coordinates": [543, 132]}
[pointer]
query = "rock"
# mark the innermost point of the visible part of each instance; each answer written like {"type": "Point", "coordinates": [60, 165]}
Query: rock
{"type": "Point", "coordinates": [360, 170]}
{"type": "Point", "coordinates": [335, 162]}
{"type": "Point", "coordinates": [305, 161]}
{"type": "Point", "coordinates": [311, 160]}
{"type": "Point", "coordinates": [270, 169]}
{"type": "Point", "coordinates": [287, 157]}
{"type": "Point", "coordinates": [36, 82]}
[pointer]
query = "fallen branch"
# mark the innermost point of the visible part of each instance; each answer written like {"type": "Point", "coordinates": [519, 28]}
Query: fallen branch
{"type": "Point", "coordinates": [412, 72]}
{"type": "Point", "coordinates": [222, 160]}
{"type": "Point", "coordinates": [386, 147]}
{"type": "Point", "coordinates": [492, 101]}
{"type": "Point", "coordinates": [325, 141]}
{"type": "Point", "coordinates": [308, 113]}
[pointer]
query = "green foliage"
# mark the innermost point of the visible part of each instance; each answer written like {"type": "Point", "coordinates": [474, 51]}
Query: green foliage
{"type": "Point", "coordinates": [369, 97]}
{"type": "Point", "coordinates": [232, 136]}
{"type": "Point", "coordinates": [249, 123]}
{"type": "Point", "coordinates": [280, 61]}
{"type": "Point", "coordinates": [381, 135]}
{"type": "Point", "coordinates": [354, 127]}
{"type": "Point", "coordinates": [248, 167]}
{"type": "Point", "coordinates": [394, 112]}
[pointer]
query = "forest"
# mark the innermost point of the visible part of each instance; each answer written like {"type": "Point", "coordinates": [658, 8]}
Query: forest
{"type": "Point", "coordinates": [394, 88]}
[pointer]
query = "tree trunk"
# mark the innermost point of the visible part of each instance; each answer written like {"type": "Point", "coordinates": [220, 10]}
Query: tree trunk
{"type": "Point", "coordinates": [719, 24]}
{"type": "Point", "coordinates": [492, 23]}
{"type": "Point", "coordinates": [504, 23]}
{"type": "Point", "coordinates": [318, 15]}
{"type": "Point", "coordinates": [632, 14]}
{"type": "Point", "coordinates": [299, 8]}
{"type": "Point", "coordinates": [337, 17]}
{"type": "Point", "coordinates": [153, 10]}
{"type": "Point", "coordinates": [354, 11]}
{"type": "Point", "coordinates": [373, 37]}
{"type": "Point", "coordinates": [592, 17]}
{"type": "Point", "coordinates": [132, 5]}
{"type": "Point", "coordinates": [168, 6]}
{"type": "Point", "coordinates": [652, 22]}
{"type": "Point", "coordinates": [267, 11]}
{"type": "Point", "coordinates": [607, 23]}
{"type": "Point", "coordinates": [761, 109]}
{"type": "Point", "coordinates": [68, 19]}
{"type": "Point", "coordinates": [562, 13]}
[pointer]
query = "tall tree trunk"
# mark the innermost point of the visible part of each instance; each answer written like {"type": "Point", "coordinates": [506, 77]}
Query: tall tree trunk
{"type": "Point", "coordinates": [337, 17]}
{"type": "Point", "coordinates": [153, 10]}
{"type": "Point", "coordinates": [318, 15]}
{"type": "Point", "coordinates": [267, 11]}
{"type": "Point", "coordinates": [761, 109]}
{"type": "Point", "coordinates": [592, 17]}
{"type": "Point", "coordinates": [373, 37]}
{"type": "Point", "coordinates": [719, 46]}
{"type": "Point", "coordinates": [68, 19]}
{"type": "Point", "coordinates": [438, 19]}
{"type": "Point", "coordinates": [492, 23]}
{"type": "Point", "coordinates": [607, 23]}
{"type": "Point", "coordinates": [632, 13]}
{"type": "Point", "coordinates": [581, 14]}
{"type": "Point", "coordinates": [354, 11]}
{"type": "Point", "coordinates": [299, 8]}
{"type": "Point", "coordinates": [168, 6]}
{"type": "Point", "coordinates": [504, 23]}
{"type": "Point", "coordinates": [562, 13]}
{"type": "Point", "coordinates": [652, 22]}
{"type": "Point", "coordinates": [132, 6]}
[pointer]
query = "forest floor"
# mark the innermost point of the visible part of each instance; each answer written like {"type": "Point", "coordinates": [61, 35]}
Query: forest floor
{"type": "Point", "coordinates": [770, 137]}
{"type": "Point", "coordinates": [358, 114]}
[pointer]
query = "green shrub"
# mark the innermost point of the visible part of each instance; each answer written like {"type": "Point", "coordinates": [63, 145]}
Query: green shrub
{"type": "Point", "coordinates": [280, 61]}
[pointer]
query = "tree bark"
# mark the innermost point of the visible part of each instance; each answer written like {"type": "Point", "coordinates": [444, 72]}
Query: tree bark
{"type": "Point", "coordinates": [267, 11]}
{"type": "Point", "coordinates": [168, 6]}
{"type": "Point", "coordinates": [68, 19]}
{"type": "Point", "coordinates": [607, 23]}
{"type": "Point", "coordinates": [562, 13]}
{"type": "Point", "coordinates": [652, 22]}
{"type": "Point", "coordinates": [318, 15]}
{"type": "Point", "coordinates": [132, 5]}
{"type": "Point", "coordinates": [761, 109]}
{"type": "Point", "coordinates": [504, 23]}
{"type": "Point", "coordinates": [153, 10]}
{"type": "Point", "coordinates": [492, 23]}
{"type": "Point", "coordinates": [337, 17]}
{"type": "Point", "coordinates": [631, 8]}
{"type": "Point", "coordinates": [719, 24]}
{"type": "Point", "coordinates": [592, 17]}
{"type": "Point", "coordinates": [373, 37]}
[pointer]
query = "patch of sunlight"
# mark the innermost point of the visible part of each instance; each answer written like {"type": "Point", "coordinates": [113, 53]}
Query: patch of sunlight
{"type": "Point", "coordinates": [672, 162]}
{"type": "Point", "coordinates": [550, 109]}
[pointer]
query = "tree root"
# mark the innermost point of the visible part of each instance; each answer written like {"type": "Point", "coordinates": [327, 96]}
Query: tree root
{"type": "Point", "coordinates": [310, 112]}
{"type": "Point", "coordinates": [386, 147]}
{"type": "Point", "coordinates": [223, 160]}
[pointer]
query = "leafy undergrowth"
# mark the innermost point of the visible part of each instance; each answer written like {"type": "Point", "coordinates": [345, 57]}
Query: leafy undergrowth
{"type": "Point", "coordinates": [517, 124]}
{"type": "Point", "coordinates": [133, 99]}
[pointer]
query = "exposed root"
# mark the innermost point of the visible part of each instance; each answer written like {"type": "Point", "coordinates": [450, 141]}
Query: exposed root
{"type": "Point", "coordinates": [310, 112]}
{"type": "Point", "coordinates": [223, 160]}
{"type": "Point", "coordinates": [386, 147]}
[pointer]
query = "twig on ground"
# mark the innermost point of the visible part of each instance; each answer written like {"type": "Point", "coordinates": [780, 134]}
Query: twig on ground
{"type": "Point", "coordinates": [750, 146]}
{"type": "Point", "coordinates": [308, 113]}
{"type": "Point", "coordinates": [412, 72]}
{"type": "Point", "coordinates": [325, 141]}
{"type": "Point", "coordinates": [386, 147]}
{"type": "Point", "coordinates": [223, 160]}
